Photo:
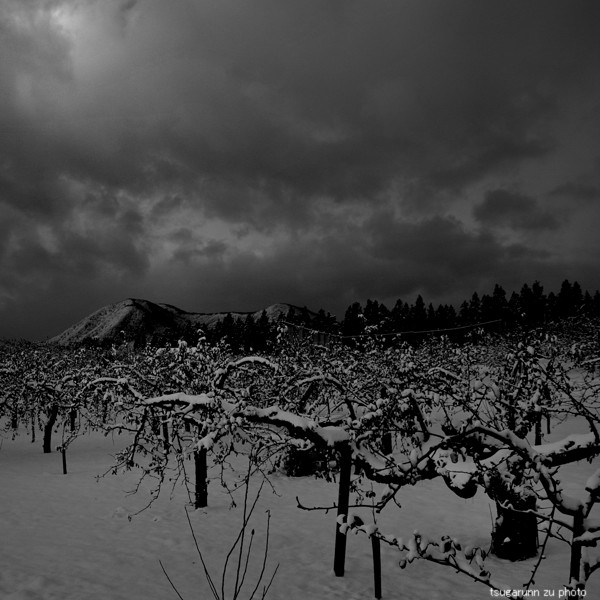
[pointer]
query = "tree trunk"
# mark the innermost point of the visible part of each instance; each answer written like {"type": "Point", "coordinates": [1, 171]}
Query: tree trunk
{"type": "Point", "coordinates": [165, 434]}
{"type": "Point", "coordinates": [53, 414]}
{"type": "Point", "coordinates": [73, 419]}
{"type": "Point", "coordinates": [515, 534]}
{"type": "Point", "coordinates": [538, 430]}
{"type": "Point", "coordinates": [339, 559]}
{"type": "Point", "coordinates": [386, 443]}
{"type": "Point", "coordinates": [155, 425]}
{"type": "Point", "coordinates": [14, 421]}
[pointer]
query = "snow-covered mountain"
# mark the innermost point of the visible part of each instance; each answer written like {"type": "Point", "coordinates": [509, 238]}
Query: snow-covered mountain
{"type": "Point", "coordinates": [134, 318]}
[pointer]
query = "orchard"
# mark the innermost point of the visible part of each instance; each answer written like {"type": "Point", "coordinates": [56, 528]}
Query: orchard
{"type": "Point", "coordinates": [372, 419]}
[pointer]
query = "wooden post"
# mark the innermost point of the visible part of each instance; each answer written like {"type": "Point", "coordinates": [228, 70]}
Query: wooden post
{"type": "Point", "coordinates": [575, 563]}
{"type": "Point", "coordinates": [201, 478]}
{"type": "Point", "coordinates": [339, 559]}
{"type": "Point", "coordinates": [375, 543]}
{"type": "Point", "coordinates": [63, 451]}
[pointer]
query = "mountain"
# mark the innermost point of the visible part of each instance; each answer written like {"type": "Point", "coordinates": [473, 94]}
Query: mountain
{"type": "Point", "coordinates": [135, 319]}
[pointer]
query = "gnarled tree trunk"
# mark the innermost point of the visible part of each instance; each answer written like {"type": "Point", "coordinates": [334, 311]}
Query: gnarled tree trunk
{"type": "Point", "coordinates": [515, 533]}
{"type": "Point", "coordinates": [52, 416]}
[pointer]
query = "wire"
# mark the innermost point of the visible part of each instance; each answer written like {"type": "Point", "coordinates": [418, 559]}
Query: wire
{"type": "Point", "coordinates": [397, 333]}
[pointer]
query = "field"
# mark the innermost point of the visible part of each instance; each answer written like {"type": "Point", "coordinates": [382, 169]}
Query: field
{"type": "Point", "coordinates": [452, 442]}
{"type": "Point", "coordinates": [69, 537]}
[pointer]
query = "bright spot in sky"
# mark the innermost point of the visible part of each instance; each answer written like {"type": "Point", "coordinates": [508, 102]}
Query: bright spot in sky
{"type": "Point", "coordinates": [66, 19]}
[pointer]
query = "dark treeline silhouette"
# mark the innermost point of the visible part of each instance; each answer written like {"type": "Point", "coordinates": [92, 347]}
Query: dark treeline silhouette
{"type": "Point", "coordinates": [248, 334]}
{"type": "Point", "coordinates": [529, 308]}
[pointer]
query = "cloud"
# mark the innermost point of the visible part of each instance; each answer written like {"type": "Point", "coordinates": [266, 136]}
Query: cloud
{"type": "Point", "coordinates": [576, 191]}
{"type": "Point", "coordinates": [384, 257]}
{"type": "Point", "coordinates": [308, 151]}
{"type": "Point", "coordinates": [503, 208]}
{"type": "Point", "coordinates": [319, 100]}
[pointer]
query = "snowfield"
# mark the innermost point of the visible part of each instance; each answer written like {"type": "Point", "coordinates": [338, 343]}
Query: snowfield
{"type": "Point", "coordinates": [72, 537]}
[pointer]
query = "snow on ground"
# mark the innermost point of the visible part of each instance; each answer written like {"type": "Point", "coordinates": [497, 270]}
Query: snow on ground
{"type": "Point", "coordinates": [69, 537]}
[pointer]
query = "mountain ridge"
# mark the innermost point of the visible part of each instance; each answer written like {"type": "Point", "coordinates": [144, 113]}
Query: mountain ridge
{"type": "Point", "coordinates": [136, 318]}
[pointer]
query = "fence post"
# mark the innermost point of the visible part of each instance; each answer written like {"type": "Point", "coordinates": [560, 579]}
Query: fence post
{"type": "Point", "coordinates": [375, 543]}
{"type": "Point", "coordinates": [339, 558]}
{"type": "Point", "coordinates": [201, 477]}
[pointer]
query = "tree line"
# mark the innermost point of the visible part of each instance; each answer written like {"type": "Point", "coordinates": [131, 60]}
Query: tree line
{"type": "Point", "coordinates": [529, 308]}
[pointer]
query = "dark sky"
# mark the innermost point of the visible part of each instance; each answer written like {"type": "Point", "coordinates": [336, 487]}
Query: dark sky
{"type": "Point", "coordinates": [230, 154]}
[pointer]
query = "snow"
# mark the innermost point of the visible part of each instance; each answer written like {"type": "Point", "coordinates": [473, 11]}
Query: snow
{"type": "Point", "coordinates": [73, 537]}
{"type": "Point", "coordinates": [135, 313]}
{"type": "Point", "coordinates": [593, 483]}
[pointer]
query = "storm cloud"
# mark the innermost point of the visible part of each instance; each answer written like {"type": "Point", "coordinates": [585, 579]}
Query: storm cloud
{"type": "Point", "coordinates": [229, 155]}
{"type": "Point", "coordinates": [516, 211]}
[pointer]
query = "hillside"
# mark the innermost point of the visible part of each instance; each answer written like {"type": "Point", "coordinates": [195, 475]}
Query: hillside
{"type": "Point", "coordinates": [136, 318]}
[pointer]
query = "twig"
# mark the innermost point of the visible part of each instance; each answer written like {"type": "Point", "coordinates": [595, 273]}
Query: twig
{"type": "Point", "coordinates": [169, 579]}
{"type": "Point", "coordinates": [213, 589]}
